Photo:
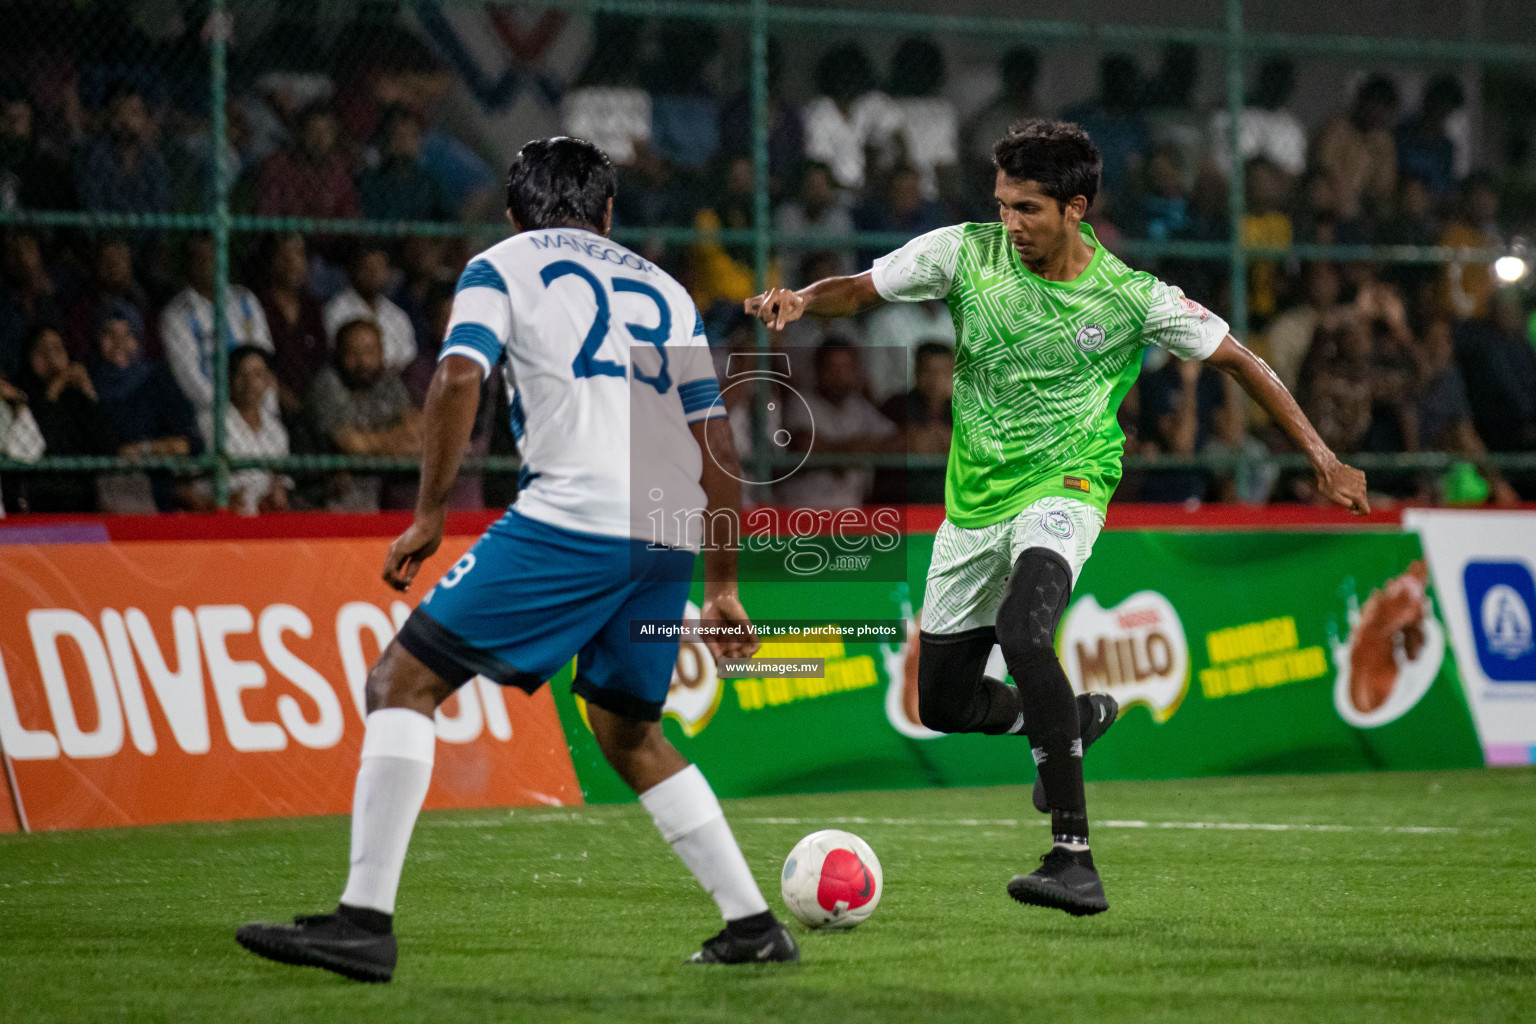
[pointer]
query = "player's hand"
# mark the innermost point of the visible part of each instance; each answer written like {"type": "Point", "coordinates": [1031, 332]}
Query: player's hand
{"type": "Point", "coordinates": [413, 547]}
{"type": "Point", "coordinates": [776, 307]}
{"type": "Point", "coordinates": [723, 606]}
{"type": "Point", "coordinates": [1343, 485]}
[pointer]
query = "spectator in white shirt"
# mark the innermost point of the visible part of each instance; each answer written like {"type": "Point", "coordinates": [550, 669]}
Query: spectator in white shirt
{"type": "Point", "coordinates": [364, 298]}
{"type": "Point", "coordinates": [186, 325]}
{"type": "Point", "coordinates": [841, 420]}
{"type": "Point", "coordinates": [1266, 128]}
{"type": "Point", "coordinates": [850, 117]}
{"type": "Point", "coordinates": [606, 106]}
{"type": "Point", "coordinates": [891, 337]}
{"type": "Point", "coordinates": [930, 123]}
{"type": "Point", "coordinates": [820, 207]}
{"type": "Point", "coordinates": [251, 430]}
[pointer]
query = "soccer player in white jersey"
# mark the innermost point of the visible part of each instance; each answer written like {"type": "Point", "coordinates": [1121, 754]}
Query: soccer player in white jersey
{"type": "Point", "coordinates": [614, 406]}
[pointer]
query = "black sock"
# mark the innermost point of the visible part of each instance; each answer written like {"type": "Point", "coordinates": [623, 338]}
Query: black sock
{"type": "Point", "coordinates": [752, 927]}
{"type": "Point", "coordinates": [1069, 827]}
{"type": "Point", "coordinates": [375, 921]}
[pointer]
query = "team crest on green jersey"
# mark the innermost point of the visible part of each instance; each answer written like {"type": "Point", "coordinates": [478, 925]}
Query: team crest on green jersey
{"type": "Point", "coordinates": [1090, 338]}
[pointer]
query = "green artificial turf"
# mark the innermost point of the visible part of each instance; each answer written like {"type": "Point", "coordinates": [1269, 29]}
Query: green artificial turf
{"type": "Point", "coordinates": [1424, 909]}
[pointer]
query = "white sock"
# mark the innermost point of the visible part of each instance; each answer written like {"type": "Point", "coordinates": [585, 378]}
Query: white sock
{"type": "Point", "coordinates": [398, 747]}
{"type": "Point", "coordinates": [689, 817]}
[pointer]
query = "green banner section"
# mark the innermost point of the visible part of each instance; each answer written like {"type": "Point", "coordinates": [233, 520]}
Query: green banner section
{"type": "Point", "coordinates": [1229, 653]}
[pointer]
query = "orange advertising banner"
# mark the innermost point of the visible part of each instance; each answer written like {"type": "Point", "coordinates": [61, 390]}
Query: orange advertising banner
{"type": "Point", "coordinates": [158, 681]}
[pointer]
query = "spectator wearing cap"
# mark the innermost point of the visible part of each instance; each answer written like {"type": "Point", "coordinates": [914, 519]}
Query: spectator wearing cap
{"type": "Point", "coordinates": [146, 411]}
{"type": "Point", "coordinates": [1357, 151]}
{"type": "Point", "coordinates": [122, 171]}
{"type": "Point", "coordinates": [366, 298]}
{"type": "Point", "coordinates": [308, 178]}
{"type": "Point", "coordinates": [186, 325]}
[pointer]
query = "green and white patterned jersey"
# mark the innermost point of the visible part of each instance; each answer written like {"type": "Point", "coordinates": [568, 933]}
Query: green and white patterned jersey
{"type": "Point", "coordinates": [1040, 366]}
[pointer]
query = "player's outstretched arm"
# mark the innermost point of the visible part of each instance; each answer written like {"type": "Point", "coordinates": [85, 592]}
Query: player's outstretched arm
{"type": "Point", "coordinates": [1339, 483]}
{"type": "Point", "coordinates": [721, 480]}
{"type": "Point", "coordinates": [831, 297]}
{"type": "Point", "coordinates": [452, 401]}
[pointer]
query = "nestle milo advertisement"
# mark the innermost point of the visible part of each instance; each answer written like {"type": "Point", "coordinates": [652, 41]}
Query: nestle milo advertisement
{"type": "Point", "coordinates": [1229, 653]}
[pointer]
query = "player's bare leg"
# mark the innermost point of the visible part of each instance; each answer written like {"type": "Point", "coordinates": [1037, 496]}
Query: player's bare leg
{"type": "Point", "coordinates": [689, 818]}
{"type": "Point", "coordinates": [357, 939]}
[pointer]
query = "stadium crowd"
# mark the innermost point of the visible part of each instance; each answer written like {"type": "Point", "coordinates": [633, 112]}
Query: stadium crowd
{"type": "Point", "coordinates": [107, 340]}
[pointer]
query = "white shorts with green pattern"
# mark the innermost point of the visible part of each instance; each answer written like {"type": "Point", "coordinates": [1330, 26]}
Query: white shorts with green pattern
{"type": "Point", "coordinates": [970, 568]}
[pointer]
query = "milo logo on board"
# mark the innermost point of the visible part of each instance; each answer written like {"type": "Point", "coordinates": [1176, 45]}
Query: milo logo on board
{"type": "Point", "coordinates": [1135, 651]}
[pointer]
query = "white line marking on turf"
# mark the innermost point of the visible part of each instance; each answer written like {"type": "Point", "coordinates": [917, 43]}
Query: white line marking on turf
{"type": "Point", "coordinates": [576, 817]}
{"type": "Point", "coordinates": [1233, 826]}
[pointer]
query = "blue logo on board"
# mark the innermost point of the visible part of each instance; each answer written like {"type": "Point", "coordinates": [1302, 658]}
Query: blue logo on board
{"type": "Point", "coordinates": [1501, 601]}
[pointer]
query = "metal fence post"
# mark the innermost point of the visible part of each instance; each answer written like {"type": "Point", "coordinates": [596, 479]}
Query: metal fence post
{"type": "Point", "coordinates": [1237, 200]}
{"type": "Point", "coordinates": [219, 23]}
{"type": "Point", "coordinates": [761, 213]}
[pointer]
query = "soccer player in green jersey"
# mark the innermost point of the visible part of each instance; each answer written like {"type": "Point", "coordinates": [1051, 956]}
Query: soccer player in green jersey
{"type": "Point", "coordinates": [1050, 331]}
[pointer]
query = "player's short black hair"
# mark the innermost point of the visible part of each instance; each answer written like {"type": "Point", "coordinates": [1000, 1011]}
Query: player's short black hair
{"type": "Point", "coordinates": [560, 181]}
{"type": "Point", "coordinates": [1056, 155]}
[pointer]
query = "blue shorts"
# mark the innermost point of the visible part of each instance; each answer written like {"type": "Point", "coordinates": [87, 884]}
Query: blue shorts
{"type": "Point", "coordinates": [530, 596]}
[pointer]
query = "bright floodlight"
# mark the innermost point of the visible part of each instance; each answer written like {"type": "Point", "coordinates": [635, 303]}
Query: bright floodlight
{"type": "Point", "coordinates": [1509, 268]}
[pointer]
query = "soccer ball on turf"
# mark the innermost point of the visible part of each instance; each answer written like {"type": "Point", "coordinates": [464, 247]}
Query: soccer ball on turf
{"type": "Point", "coordinates": [831, 879]}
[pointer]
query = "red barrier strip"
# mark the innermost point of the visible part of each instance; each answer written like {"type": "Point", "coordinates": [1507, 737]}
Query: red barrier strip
{"type": "Point", "coordinates": [919, 519]}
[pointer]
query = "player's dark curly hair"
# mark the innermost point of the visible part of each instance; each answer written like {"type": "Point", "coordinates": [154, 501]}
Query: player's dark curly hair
{"type": "Point", "coordinates": [560, 182]}
{"type": "Point", "coordinates": [1057, 155]}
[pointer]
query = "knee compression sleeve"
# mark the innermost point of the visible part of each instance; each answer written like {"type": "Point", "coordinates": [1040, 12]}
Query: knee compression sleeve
{"type": "Point", "coordinates": [953, 695]}
{"type": "Point", "coordinates": [1032, 607]}
{"type": "Point", "coordinates": [1037, 595]}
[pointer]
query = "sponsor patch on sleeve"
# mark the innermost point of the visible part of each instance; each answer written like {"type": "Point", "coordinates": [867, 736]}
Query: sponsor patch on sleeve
{"type": "Point", "coordinates": [1194, 309]}
{"type": "Point", "coordinates": [1076, 483]}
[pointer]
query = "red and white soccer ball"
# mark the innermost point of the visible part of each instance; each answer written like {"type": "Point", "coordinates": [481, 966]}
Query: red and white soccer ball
{"type": "Point", "coordinates": [831, 879]}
